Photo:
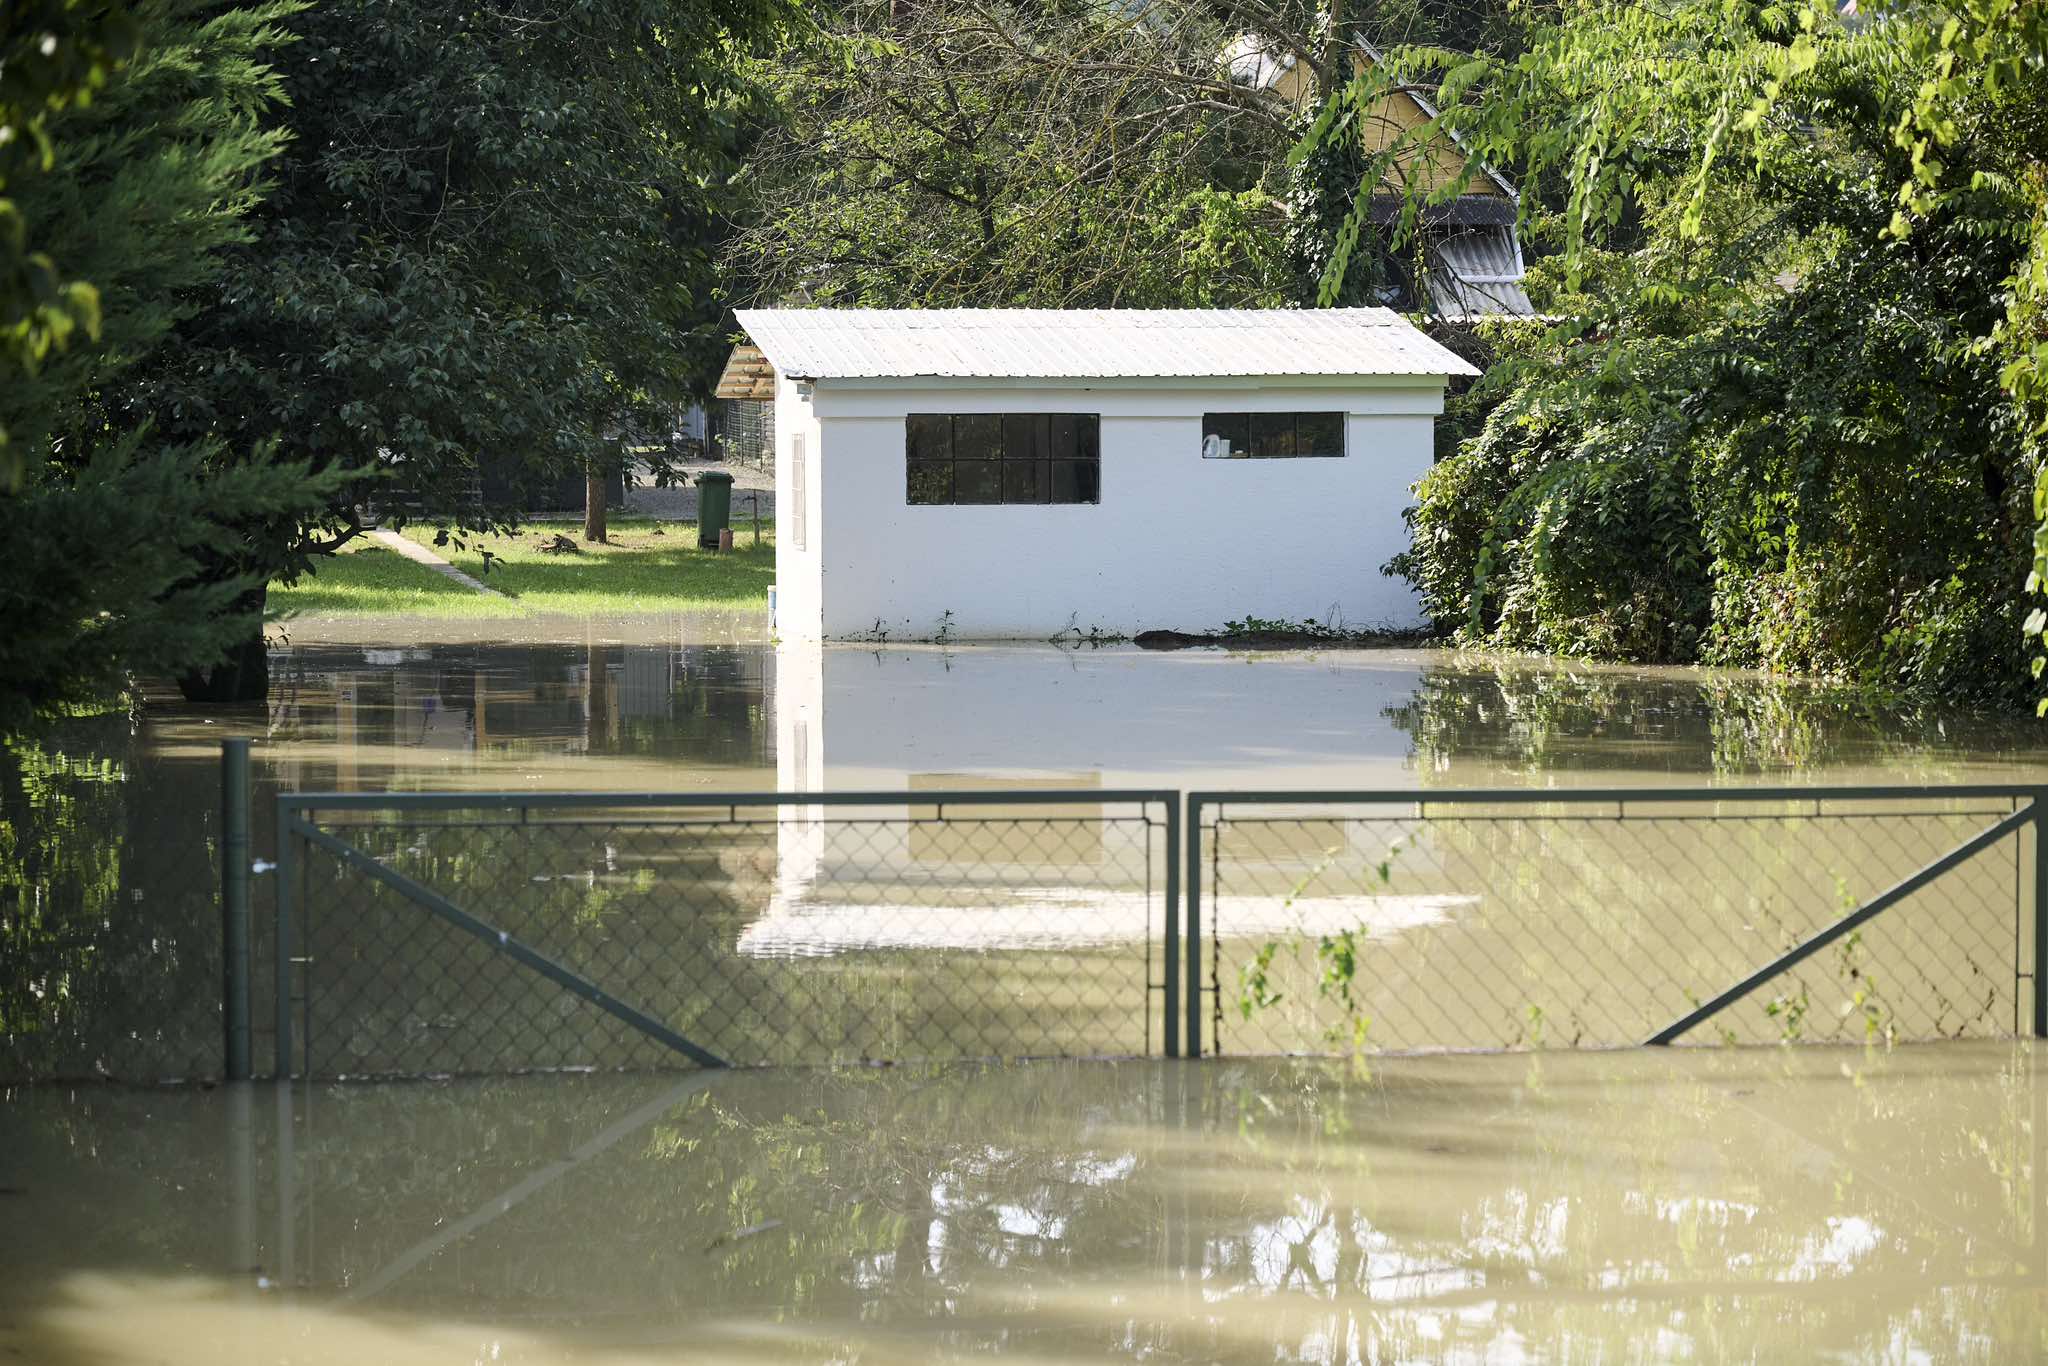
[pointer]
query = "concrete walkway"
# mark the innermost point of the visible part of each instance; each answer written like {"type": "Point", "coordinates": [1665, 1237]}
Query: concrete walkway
{"type": "Point", "coordinates": [419, 554]}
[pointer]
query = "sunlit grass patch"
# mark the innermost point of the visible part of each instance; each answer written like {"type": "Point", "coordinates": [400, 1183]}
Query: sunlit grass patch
{"type": "Point", "coordinates": [648, 567]}
{"type": "Point", "coordinates": [368, 579]}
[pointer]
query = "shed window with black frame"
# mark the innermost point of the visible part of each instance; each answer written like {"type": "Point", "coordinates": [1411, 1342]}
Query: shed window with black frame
{"type": "Point", "coordinates": [1271, 436]}
{"type": "Point", "coordinates": [955, 458]}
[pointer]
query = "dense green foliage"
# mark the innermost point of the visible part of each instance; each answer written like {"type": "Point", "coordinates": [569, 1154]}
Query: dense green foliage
{"type": "Point", "coordinates": [1770, 424]}
{"type": "Point", "coordinates": [264, 263]}
{"type": "Point", "coordinates": [54, 55]}
{"type": "Point", "coordinates": [487, 243]}
{"type": "Point", "coordinates": [992, 154]}
{"type": "Point", "coordinates": [106, 542]}
{"type": "Point", "coordinates": [487, 237]}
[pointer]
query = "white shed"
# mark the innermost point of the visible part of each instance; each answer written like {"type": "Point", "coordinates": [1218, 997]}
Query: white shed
{"type": "Point", "coordinates": [1018, 473]}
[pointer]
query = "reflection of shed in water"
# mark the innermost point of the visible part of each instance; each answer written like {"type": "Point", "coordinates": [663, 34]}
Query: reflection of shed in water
{"type": "Point", "coordinates": [1019, 875]}
{"type": "Point", "coordinates": [964, 875]}
{"type": "Point", "coordinates": [996, 836]}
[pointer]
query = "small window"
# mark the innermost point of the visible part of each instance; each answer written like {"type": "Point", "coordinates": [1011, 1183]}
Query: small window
{"type": "Point", "coordinates": [1271, 436]}
{"type": "Point", "coordinates": [964, 458]}
{"type": "Point", "coordinates": [1226, 436]}
{"type": "Point", "coordinates": [930, 438]}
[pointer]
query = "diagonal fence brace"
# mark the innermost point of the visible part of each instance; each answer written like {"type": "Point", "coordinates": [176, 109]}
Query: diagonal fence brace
{"type": "Point", "coordinates": [454, 1231]}
{"type": "Point", "coordinates": [1962, 853]}
{"type": "Point", "coordinates": [507, 945]}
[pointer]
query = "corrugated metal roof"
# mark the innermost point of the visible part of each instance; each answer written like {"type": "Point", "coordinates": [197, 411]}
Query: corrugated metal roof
{"type": "Point", "coordinates": [1464, 301]}
{"type": "Point", "coordinates": [1052, 343]}
{"type": "Point", "coordinates": [1480, 257]}
{"type": "Point", "coordinates": [1480, 276]}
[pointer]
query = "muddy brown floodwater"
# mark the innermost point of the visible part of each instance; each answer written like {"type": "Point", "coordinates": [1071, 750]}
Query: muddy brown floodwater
{"type": "Point", "coordinates": [1773, 1204]}
{"type": "Point", "coordinates": [113, 962]}
{"type": "Point", "coordinates": [1768, 1203]}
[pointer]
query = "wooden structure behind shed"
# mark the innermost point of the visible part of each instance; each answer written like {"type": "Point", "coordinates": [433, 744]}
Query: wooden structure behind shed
{"type": "Point", "coordinates": [747, 375]}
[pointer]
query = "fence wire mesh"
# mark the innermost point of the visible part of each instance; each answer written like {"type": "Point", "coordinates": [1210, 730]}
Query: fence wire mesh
{"type": "Point", "coordinates": [1476, 923]}
{"type": "Point", "coordinates": [770, 934]}
{"type": "Point", "coordinates": [993, 924]}
{"type": "Point", "coordinates": [110, 921]}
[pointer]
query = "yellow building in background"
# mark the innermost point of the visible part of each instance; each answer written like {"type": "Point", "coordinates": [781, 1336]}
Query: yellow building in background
{"type": "Point", "coordinates": [1472, 251]}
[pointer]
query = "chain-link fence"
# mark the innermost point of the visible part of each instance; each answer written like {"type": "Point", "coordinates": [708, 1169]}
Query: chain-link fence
{"type": "Point", "coordinates": [1491, 920]}
{"type": "Point", "coordinates": [447, 933]}
{"type": "Point", "coordinates": [110, 920]}
{"type": "Point", "coordinates": [464, 935]}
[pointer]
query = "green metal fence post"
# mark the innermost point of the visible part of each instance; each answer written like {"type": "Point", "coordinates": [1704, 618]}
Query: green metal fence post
{"type": "Point", "coordinates": [1173, 948]}
{"type": "Point", "coordinates": [1192, 930]}
{"type": "Point", "coordinates": [234, 908]}
{"type": "Point", "coordinates": [286, 871]}
{"type": "Point", "coordinates": [241, 1163]}
{"type": "Point", "coordinates": [2040, 812]}
{"type": "Point", "coordinates": [286, 1148]}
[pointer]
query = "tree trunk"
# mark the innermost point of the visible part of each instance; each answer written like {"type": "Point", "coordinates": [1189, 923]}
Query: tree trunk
{"type": "Point", "coordinates": [594, 496]}
{"type": "Point", "coordinates": [1336, 72]}
{"type": "Point", "coordinates": [243, 675]}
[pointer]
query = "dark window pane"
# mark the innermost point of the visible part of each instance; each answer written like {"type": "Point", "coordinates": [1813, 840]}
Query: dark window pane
{"type": "Point", "coordinates": [930, 436]}
{"type": "Point", "coordinates": [977, 481]}
{"type": "Point", "coordinates": [1025, 481]}
{"type": "Point", "coordinates": [1064, 440]}
{"type": "Point", "coordinates": [1226, 436]}
{"type": "Point", "coordinates": [1076, 481]}
{"type": "Point", "coordinates": [1319, 433]}
{"type": "Point", "coordinates": [1088, 437]}
{"type": "Point", "coordinates": [978, 436]}
{"type": "Point", "coordinates": [1025, 436]}
{"type": "Point", "coordinates": [931, 481]}
{"type": "Point", "coordinates": [1272, 435]}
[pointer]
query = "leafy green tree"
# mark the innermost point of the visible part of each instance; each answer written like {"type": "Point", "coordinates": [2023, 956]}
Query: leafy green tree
{"type": "Point", "coordinates": [139, 189]}
{"type": "Point", "coordinates": [1976, 134]}
{"type": "Point", "coordinates": [993, 153]}
{"type": "Point", "coordinates": [1770, 424]}
{"type": "Point", "coordinates": [486, 259]}
{"type": "Point", "coordinates": [54, 55]}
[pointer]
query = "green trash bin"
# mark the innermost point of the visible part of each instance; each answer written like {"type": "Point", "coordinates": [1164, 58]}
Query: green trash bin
{"type": "Point", "coordinates": [714, 507]}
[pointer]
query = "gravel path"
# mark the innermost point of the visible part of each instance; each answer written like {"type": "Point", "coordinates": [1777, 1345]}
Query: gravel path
{"type": "Point", "coordinates": [679, 503]}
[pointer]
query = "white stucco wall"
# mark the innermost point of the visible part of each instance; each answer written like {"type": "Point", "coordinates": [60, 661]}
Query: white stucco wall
{"type": "Point", "coordinates": [1177, 542]}
{"type": "Point", "coordinates": [797, 578]}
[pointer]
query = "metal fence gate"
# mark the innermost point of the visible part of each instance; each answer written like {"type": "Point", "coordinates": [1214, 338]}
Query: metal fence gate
{"type": "Point", "coordinates": [460, 933]}
{"type": "Point", "coordinates": [446, 933]}
{"type": "Point", "coordinates": [1510, 919]}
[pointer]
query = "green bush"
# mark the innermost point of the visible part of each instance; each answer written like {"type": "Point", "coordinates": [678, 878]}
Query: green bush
{"type": "Point", "coordinates": [1767, 421]}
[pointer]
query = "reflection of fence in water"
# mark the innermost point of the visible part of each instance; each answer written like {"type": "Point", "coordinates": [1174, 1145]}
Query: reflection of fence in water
{"type": "Point", "coordinates": [794, 933]}
{"type": "Point", "coordinates": [1569, 920]}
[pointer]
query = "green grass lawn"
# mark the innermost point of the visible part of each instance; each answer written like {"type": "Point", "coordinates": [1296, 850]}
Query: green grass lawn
{"type": "Point", "coordinates": [649, 567]}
